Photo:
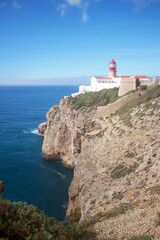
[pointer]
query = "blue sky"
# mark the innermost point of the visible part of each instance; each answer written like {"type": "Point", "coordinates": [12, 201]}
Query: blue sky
{"type": "Point", "coordinates": [67, 41]}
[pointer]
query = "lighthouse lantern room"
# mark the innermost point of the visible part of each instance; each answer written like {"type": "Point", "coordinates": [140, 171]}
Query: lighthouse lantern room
{"type": "Point", "coordinates": [112, 69]}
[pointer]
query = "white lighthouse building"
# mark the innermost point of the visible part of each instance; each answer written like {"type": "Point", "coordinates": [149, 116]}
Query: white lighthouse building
{"type": "Point", "coordinates": [98, 82]}
{"type": "Point", "coordinates": [101, 82]}
{"type": "Point", "coordinates": [112, 80]}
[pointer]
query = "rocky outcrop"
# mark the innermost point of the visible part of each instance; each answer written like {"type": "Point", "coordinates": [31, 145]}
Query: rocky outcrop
{"type": "Point", "coordinates": [65, 132]}
{"type": "Point", "coordinates": [1, 187]}
{"type": "Point", "coordinates": [42, 127]}
{"type": "Point", "coordinates": [116, 166]}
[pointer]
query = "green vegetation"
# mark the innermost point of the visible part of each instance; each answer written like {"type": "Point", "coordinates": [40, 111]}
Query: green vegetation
{"type": "Point", "coordinates": [155, 189]}
{"type": "Point", "coordinates": [121, 209]}
{"type": "Point", "coordinates": [90, 99]}
{"type": "Point", "coordinates": [143, 87]}
{"type": "Point", "coordinates": [129, 154]}
{"type": "Point", "coordinates": [158, 219]}
{"type": "Point", "coordinates": [140, 158]}
{"type": "Point", "coordinates": [142, 237]}
{"type": "Point", "coordinates": [119, 196]}
{"type": "Point", "coordinates": [121, 170]}
{"type": "Point", "coordinates": [124, 112]}
{"type": "Point", "coordinates": [23, 222]}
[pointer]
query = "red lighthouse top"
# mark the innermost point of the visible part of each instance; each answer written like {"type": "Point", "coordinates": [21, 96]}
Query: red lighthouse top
{"type": "Point", "coordinates": [112, 65]}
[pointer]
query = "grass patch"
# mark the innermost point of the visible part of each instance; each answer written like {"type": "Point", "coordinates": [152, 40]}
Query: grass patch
{"type": "Point", "coordinates": [143, 87]}
{"type": "Point", "coordinates": [124, 112]}
{"type": "Point", "coordinates": [119, 196]}
{"type": "Point", "coordinates": [100, 134]}
{"type": "Point", "coordinates": [100, 98]}
{"type": "Point", "coordinates": [140, 158]}
{"type": "Point", "coordinates": [155, 189]}
{"type": "Point", "coordinates": [158, 219]}
{"type": "Point", "coordinates": [121, 170]}
{"type": "Point", "coordinates": [141, 237]}
{"type": "Point", "coordinates": [129, 155]}
{"type": "Point", "coordinates": [121, 209]}
{"type": "Point", "coordinates": [21, 221]}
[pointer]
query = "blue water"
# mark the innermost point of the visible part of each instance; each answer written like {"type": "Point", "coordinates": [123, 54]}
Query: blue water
{"type": "Point", "coordinates": [27, 176]}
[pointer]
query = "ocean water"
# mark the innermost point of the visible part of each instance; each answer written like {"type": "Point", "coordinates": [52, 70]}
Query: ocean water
{"type": "Point", "coordinates": [27, 176]}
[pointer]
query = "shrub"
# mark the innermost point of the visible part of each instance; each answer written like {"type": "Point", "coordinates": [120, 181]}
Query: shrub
{"type": "Point", "coordinates": [23, 222]}
{"type": "Point", "coordinates": [155, 189]}
{"type": "Point", "coordinates": [120, 209]}
{"type": "Point", "coordinates": [129, 154]}
{"type": "Point", "coordinates": [121, 170]}
{"type": "Point", "coordinates": [90, 99]}
{"type": "Point", "coordinates": [143, 87]}
{"type": "Point", "coordinates": [119, 196]}
{"type": "Point", "coordinates": [141, 237]}
{"type": "Point", "coordinates": [158, 219]}
{"type": "Point", "coordinates": [125, 110]}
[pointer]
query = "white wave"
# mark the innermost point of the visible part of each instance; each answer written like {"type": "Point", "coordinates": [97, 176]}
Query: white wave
{"type": "Point", "coordinates": [58, 173]}
{"type": "Point", "coordinates": [26, 132]}
{"type": "Point", "coordinates": [35, 131]}
{"type": "Point", "coordinates": [52, 170]}
{"type": "Point", "coordinates": [64, 206]}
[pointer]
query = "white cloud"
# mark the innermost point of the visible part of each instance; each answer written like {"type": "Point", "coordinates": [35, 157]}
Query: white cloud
{"type": "Point", "coordinates": [84, 17]}
{"type": "Point", "coordinates": [62, 8]}
{"type": "Point", "coordinates": [74, 2]}
{"type": "Point", "coordinates": [16, 5]}
{"type": "Point", "coordinates": [81, 5]}
{"type": "Point", "coordinates": [84, 9]}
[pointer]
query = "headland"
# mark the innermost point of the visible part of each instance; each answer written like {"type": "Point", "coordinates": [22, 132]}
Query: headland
{"type": "Point", "coordinates": [113, 145]}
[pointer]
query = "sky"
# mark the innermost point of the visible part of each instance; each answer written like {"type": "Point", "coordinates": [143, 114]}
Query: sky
{"type": "Point", "coordinates": [68, 41]}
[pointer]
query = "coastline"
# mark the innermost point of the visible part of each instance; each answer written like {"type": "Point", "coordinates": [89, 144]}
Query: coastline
{"type": "Point", "coordinates": [107, 177]}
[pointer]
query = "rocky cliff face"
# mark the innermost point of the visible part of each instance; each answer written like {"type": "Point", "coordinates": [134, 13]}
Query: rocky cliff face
{"type": "Point", "coordinates": [65, 132]}
{"type": "Point", "coordinates": [116, 167]}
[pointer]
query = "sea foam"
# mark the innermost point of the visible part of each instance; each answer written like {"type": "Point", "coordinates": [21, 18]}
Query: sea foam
{"type": "Point", "coordinates": [32, 131]}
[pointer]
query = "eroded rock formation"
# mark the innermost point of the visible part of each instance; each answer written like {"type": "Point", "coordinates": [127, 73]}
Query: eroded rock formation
{"type": "Point", "coordinates": [115, 165]}
{"type": "Point", "coordinates": [65, 132]}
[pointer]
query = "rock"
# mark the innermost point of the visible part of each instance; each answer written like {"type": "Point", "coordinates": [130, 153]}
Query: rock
{"type": "Point", "coordinates": [113, 163]}
{"type": "Point", "coordinates": [1, 187]}
{"type": "Point", "coordinates": [42, 127]}
{"type": "Point", "coordinates": [64, 133]}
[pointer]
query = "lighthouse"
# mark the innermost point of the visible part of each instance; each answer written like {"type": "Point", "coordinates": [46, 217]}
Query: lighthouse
{"type": "Point", "coordinates": [124, 83]}
{"type": "Point", "coordinates": [112, 69]}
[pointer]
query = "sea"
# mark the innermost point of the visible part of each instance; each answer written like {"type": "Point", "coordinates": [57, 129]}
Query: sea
{"type": "Point", "coordinates": [28, 177]}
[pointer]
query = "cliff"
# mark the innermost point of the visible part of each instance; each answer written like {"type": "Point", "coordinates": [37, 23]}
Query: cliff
{"type": "Point", "coordinates": [115, 152]}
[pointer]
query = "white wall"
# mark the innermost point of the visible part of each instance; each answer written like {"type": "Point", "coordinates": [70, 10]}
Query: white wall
{"type": "Point", "coordinates": [83, 89]}
{"type": "Point", "coordinates": [106, 84]}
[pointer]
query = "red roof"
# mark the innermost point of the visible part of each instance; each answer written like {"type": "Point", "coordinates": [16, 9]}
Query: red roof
{"type": "Point", "coordinates": [103, 78]}
{"type": "Point", "coordinates": [142, 77]}
{"type": "Point", "coordinates": [112, 61]}
{"type": "Point", "coordinates": [122, 76]}
{"type": "Point", "coordinates": [109, 78]}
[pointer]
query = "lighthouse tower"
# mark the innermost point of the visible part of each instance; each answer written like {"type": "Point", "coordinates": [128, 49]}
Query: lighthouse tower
{"type": "Point", "coordinates": [112, 69]}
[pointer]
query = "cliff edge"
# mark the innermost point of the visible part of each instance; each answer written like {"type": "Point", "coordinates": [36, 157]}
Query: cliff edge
{"type": "Point", "coordinates": [115, 152]}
